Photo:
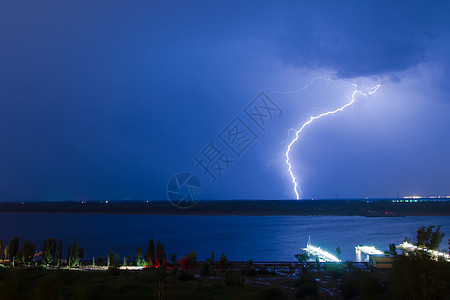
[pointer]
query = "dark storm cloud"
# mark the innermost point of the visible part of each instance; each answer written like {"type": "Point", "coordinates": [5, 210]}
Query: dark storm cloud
{"type": "Point", "coordinates": [355, 40]}
{"type": "Point", "coordinates": [353, 57]}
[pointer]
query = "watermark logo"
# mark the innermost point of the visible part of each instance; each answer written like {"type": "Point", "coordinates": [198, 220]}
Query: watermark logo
{"type": "Point", "coordinates": [262, 110]}
{"type": "Point", "coordinates": [184, 190]}
{"type": "Point", "coordinates": [238, 136]}
{"type": "Point", "coordinates": [213, 161]}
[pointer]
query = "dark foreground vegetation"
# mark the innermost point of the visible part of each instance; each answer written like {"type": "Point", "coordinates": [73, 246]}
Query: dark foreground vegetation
{"type": "Point", "coordinates": [370, 208]}
{"type": "Point", "coordinates": [29, 274]}
{"type": "Point", "coordinates": [38, 283]}
{"type": "Point", "coordinates": [410, 278]}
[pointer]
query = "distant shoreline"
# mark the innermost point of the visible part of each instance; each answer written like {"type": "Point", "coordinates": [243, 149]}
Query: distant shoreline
{"type": "Point", "coordinates": [367, 208]}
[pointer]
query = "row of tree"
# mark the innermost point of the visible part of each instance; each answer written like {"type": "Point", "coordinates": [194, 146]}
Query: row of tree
{"type": "Point", "coordinates": [14, 253]}
{"type": "Point", "coordinates": [430, 237]}
{"type": "Point", "coordinates": [51, 252]}
{"type": "Point", "coordinates": [155, 256]}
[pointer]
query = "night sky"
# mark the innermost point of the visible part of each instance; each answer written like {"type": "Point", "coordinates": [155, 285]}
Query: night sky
{"type": "Point", "coordinates": [110, 99]}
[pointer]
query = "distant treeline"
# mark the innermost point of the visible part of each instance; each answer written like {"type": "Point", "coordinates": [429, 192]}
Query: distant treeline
{"type": "Point", "coordinates": [379, 208]}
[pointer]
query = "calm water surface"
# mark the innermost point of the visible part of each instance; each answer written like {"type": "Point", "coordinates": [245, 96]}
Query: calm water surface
{"type": "Point", "coordinates": [275, 238]}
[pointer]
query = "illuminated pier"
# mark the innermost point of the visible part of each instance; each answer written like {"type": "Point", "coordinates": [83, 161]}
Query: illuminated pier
{"type": "Point", "coordinates": [367, 250]}
{"type": "Point", "coordinates": [321, 254]}
{"type": "Point", "coordinates": [408, 247]}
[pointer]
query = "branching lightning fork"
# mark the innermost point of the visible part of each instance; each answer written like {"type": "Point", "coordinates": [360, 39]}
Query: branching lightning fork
{"type": "Point", "coordinates": [311, 119]}
{"type": "Point", "coordinates": [302, 89]}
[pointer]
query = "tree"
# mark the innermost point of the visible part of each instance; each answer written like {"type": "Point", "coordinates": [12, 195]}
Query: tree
{"type": "Point", "coordinates": [211, 259]}
{"type": "Point", "coordinates": [303, 259]}
{"type": "Point", "coordinates": [13, 247]}
{"type": "Point", "coordinates": [204, 270]}
{"type": "Point", "coordinates": [1, 250]}
{"type": "Point", "coordinates": [151, 253]}
{"type": "Point", "coordinates": [339, 253]}
{"type": "Point", "coordinates": [392, 249]}
{"type": "Point", "coordinates": [318, 263]}
{"type": "Point", "coordinates": [223, 262]}
{"type": "Point", "coordinates": [74, 254]}
{"type": "Point", "coordinates": [69, 249]}
{"type": "Point", "coordinates": [250, 269]}
{"type": "Point", "coordinates": [428, 238]}
{"type": "Point", "coordinates": [189, 260]}
{"type": "Point", "coordinates": [59, 253]}
{"type": "Point", "coordinates": [27, 252]}
{"type": "Point", "coordinates": [173, 257]}
{"type": "Point", "coordinates": [131, 260]}
{"type": "Point", "coordinates": [49, 251]}
{"type": "Point", "coordinates": [6, 252]}
{"type": "Point", "coordinates": [159, 255]}
{"type": "Point", "coordinates": [113, 258]}
{"type": "Point", "coordinates": [139, 260]}
{"type": "Point", "coordinates": [80, 255]}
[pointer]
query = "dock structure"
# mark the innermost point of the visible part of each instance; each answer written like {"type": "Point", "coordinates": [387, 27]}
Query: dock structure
{"type": "Point", "coordinates": [408, 247]}
{"type": "Point", "coordinates": [321, 254]}
{"type": "Point", "coordinates": [367, 250]}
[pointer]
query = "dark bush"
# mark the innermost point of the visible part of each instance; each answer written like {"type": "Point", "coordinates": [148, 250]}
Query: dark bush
{"type": "Point", "coordinates": [46, 288]}
{"type": "Point", "coordinates": [306, 286]}
{"type": "Point", "coordinates": [264, 271]}
{"type": "Point", "coordinates": [113, 271]}
{"type": "Point", "coordinates": [223, 262]}
{"type": "Point", "coordinates": [335, 270]}
{"type": "Point", "coordinates": [417, 275]}
{"type": "Point", "coordinates": [204, 270]}
{"type": "Point", "coordinates": [250, 269]}
{"type": "Point", "coordinates": [360, 284]}
{"type": "Point", "coordinates": [233, 278]}
{"type": "Point", "coordinates": [10, 287]}
{"type": "Point", "coordinates": [271, 293]}
{"type": "Point", "coordinates": [185, 276]}
{"type": "Point", "coordinates": [189, 261]}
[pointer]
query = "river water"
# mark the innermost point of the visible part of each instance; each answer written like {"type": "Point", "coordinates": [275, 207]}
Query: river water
{"type": "Point", "coordinates": [261, 238]}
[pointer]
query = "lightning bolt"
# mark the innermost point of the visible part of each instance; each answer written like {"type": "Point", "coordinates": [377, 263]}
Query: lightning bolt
{"type": "Point", "coordinates": [370, 91]}
{"type": "Point", "coordinates": [302, 89]}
